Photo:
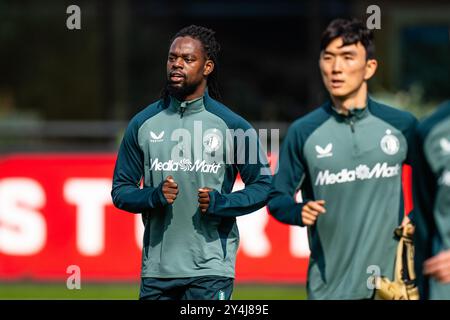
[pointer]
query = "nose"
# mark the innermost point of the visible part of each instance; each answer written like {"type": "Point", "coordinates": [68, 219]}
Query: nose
{"type": "Point", "coordinates": [178, 63]}
{"type": "Point", "coordinates": [337, 65]}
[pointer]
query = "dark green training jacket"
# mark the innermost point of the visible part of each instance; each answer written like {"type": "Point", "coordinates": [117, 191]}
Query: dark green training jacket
{"type": "Point", "coordinates": [191, 142]}
{"type": "Point", "coordinates": [432, 196]}
{"type": "Point", "coordinates": [354, 163]}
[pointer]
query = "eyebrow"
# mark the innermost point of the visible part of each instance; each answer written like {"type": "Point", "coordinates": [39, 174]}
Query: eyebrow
{"type": "Point", "coordinates": [343, 53]}
{"type": "Point", "coordinates": [184, 55]}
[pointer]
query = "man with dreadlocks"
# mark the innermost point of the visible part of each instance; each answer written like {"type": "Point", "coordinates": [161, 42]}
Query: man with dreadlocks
{"type": "Point", "coordinates": [176, 149]}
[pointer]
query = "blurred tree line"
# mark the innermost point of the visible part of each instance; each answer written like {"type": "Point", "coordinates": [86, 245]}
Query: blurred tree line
{"type": "Point", "coordinates": [115, 65]}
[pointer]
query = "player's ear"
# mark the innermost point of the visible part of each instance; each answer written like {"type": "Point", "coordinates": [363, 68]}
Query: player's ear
{"type": "Point", "coordinates": [208, 68]}
{"type": "Point", "coordinates": [371, 67]}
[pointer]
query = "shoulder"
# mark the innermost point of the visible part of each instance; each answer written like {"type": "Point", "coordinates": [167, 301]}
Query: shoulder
{"type": "Point", "coordinates": [145, 114]}
{"type": "Point", "coordinates": [313, 119]}
{"type": "Point", "coordinates": [304, 126]}
{"type": "Point", "coordinates": [400, 119]}
{"type": "Point", "coordinates": [426, 125]}
{"type": "Point", "coordinates": [232, 119]}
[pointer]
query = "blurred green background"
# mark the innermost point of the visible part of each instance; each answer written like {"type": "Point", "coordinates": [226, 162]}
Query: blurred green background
{"type": "Point", "coordinates": [131, 291]}
{"type": "Point", "coordinates": [68, 90]}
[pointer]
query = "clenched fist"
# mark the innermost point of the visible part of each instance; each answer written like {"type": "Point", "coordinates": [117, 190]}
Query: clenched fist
{"type": "Point", "coordinates": [311, 210]}
{"type": "Point", "coordinates": [170, 189]}
{"type": "Point", "coordinates": [203, 199]}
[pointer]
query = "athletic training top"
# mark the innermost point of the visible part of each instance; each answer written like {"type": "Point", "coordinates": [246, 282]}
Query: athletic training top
{"type": "Point", "coordinates": [191, 142]}
{"type": "Point", "coordinates": [432, 196]}
{"type": "Point", "coordinates": [354, 163]}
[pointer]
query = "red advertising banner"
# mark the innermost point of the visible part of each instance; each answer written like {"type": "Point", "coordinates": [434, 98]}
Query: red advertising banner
{"type": "Point", "coordinates": [56, 212]}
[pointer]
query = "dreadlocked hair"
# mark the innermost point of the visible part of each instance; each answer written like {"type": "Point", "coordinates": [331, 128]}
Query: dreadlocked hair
{"type": "Point", "coordinates": [211, 48]}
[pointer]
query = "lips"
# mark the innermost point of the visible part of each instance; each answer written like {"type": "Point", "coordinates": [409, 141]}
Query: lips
{"type": "Point", "coordinates": [336, 83]}
{"type": "Point", "coordinates": [176, 76]}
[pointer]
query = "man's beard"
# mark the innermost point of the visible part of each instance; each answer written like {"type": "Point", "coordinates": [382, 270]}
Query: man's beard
{"type": "Point", "coordinates": [180, 93]}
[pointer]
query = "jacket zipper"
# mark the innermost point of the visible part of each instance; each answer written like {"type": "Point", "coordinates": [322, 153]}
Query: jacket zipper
{"type": "Point", "coordinates": [182, 111]}
{"type": "Point", "coordinates": [352, 128]}
{"type": "Point", "coordinates": [352, 125]}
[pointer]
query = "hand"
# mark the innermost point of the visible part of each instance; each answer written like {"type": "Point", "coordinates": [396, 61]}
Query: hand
{"type": "Point", "coordinates": [405, 221]}
{"type": "Point", "coordinates": [203, 199]}
{"type": "Point", "coordinates": [438, 267]}
{"type": "Point", "coordinates": [311, 210]}
{"type": "Point", "coordinates": [170, 189]}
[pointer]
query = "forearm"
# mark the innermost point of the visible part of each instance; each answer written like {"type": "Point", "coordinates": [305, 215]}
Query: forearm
{"type": "Point", "coordinates": [133, 199]}
{"type": "Point", "coordinates": [239, 203]}
{"type": "Point", "coordinates": [286, 210]}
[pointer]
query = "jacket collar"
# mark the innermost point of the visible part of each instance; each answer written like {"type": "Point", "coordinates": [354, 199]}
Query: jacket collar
{"type": "Point", "coordinates": [353, 115]}
{"type": "Point", "coordinates": [187, 107]}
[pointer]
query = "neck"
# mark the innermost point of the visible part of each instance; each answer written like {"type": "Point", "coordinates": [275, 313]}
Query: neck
{"type": "Point", "coordinates": [199, 92]}
{"type": "Point", "coordinates": [355, 100]}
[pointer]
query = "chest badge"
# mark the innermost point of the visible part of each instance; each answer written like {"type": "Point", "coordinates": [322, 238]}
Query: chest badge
{"type": "Point", "coordinates": [389, 143]}
{"type": "Point", "coordinates": [212, 142]}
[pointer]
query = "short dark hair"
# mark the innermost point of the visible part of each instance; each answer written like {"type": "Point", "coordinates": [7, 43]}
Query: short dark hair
{"type": "Point", "coordinates": [212, 49]}
{"type": "Point", "coordinates": [351, 32]}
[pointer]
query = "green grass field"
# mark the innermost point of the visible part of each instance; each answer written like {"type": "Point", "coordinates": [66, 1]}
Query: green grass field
{"type": "Point", "coordinates": [49, 291]}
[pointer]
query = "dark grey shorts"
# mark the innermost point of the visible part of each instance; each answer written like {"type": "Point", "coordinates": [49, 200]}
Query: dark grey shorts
{"type": "Point", "coordinates": [195, 288]}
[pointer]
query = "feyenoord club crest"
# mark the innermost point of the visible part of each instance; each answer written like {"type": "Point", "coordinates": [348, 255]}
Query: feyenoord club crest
{"type": "Point", "coordinates": [212, 142]}
{"type": "Point", "coordinates": [390, 144]}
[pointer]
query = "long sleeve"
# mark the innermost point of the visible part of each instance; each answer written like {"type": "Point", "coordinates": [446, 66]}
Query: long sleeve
{"type": "Point", "coordinates": [257, 178]}
{"type": "Point", "coordinates": [126, 192]}
{"type": "Point", "coordinates": [289, 176]}
{"type": "Point", "coordinates": [424, 191]}
{"type": "Point", "coordinates": [424, 182]}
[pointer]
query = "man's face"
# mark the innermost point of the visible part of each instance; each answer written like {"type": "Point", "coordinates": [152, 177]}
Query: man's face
{"type": "Point", "coordinates": [345, 68]}
{"type": "Point", "coordinates": [187, 67]}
